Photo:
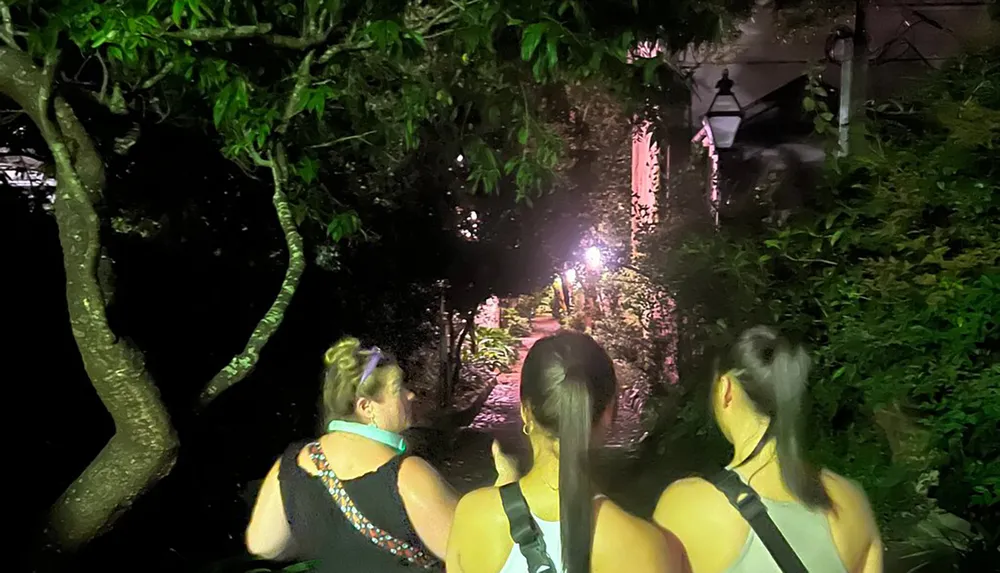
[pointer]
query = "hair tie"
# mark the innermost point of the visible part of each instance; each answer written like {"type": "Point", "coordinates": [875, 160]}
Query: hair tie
{"type": "Point", "coordinates": [373, 360]}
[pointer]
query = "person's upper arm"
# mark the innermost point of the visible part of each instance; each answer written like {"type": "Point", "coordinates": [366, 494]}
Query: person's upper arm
{"type": "Point", "coordinates": [479, 540]}
{"type": "Point", "coordinates": [710, 531]}
{"type": "Point", "coordinates": [650, 549]}
{"type": "Point", "coordinates": [268, 535]}
{"type": "Point", "coordinates": [459, 538]}
{"type": "Point", "coordinates": [429, 501]}
{"type": "Point", "coordinates": [856, 523]}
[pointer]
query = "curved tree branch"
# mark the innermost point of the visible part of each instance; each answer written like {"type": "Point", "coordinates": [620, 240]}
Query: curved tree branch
{"type": "Point", "coordinates": [7, 26]}
{"type": "Point", "coordinates": [143, 447]}
{"type": "Point", "coordinates": [243, 364]}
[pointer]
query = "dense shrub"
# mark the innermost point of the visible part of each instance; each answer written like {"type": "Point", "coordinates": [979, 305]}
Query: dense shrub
{"type": "Point", "coordinates": [516, 324]}
{"type": "Point", "coordinates": [494, 349]}
{"type": "Point", "coordinates": [529, 305]}
{"type": "Point", "coordinates": [890, 272]}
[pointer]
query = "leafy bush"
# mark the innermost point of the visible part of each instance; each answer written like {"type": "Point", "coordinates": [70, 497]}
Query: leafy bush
{"type": "Point", "coordinates": [515, 323]}
{"type": "Point", "coordinates": [495, 349]}
{"type": "Point", "coordinates": [891, 273]}
{"type": "Point", "coordinates": [529, 305]}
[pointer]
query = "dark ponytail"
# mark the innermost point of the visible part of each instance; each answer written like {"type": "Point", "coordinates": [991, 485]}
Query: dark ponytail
{"type": "Point", "coordinates": [790, 369]}
{"type": "Point", "coordinates": [568, 383]}
{"type": "Point", "coordinates": [576, 496]}
{"type": "Point", "coordinates": [773, 373]}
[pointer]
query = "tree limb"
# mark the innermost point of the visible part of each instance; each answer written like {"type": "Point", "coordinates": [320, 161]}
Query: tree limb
{"type": "Point", "coordinates": [342, 48]}
{"type": "Point", "coordinates": [217, 34]}
{"type": "Point", "coordinates": [156, 78]}
{"type": "Point", "coordinates": [7, 26]}
{"type": "Point", "coordinates": [25, 83]}
{"type": "Point", "coordinates": [143, 448]}
{"type": "Point", "coordinates": [87, 162]}
{"type": "Point", "coordinates": [262, 31]}
{"type": "Point", "coordinates": [243, 364]}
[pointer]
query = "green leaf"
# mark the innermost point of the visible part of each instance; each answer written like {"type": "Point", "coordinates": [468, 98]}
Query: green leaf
{"type": "Point", "coordinates": [416, 38]}
{"type": "Point", "coordinates": [178, 11]}
{"type": "Point", "coordinates": [531, 38]}
{"type": "Point", "coordinates": [836, 237]}
{"type": "Point", "coordinates": [649, 71]}
{"type": "Point", "coordinates": [522, 135]}
{"type": "Point", "coordinates": [219, 109]}
{"type": "Point", "coordinates": [385, 33]}
{"type": "Point", "coordinates": [552, 51]}
{"type": "Point", "coordinates": [809, 104]}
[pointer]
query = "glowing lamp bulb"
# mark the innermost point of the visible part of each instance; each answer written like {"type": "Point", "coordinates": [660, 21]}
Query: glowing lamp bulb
{"type": "Point", "coordinates": [593, 257]}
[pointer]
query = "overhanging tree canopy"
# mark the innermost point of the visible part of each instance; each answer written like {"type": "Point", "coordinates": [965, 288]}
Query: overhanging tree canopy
{"type": "Point", "coordinates": [331, 98]}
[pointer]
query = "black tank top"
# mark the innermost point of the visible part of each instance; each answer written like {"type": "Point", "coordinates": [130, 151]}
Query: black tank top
{"type": "Point", "coordinates": [322, 533]}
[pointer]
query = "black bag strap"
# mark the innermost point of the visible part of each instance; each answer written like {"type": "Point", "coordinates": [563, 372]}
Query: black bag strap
{"type": "Point", "coordinates": [524, 531]}
{"type": "Point", "coordinates": [748, 503]}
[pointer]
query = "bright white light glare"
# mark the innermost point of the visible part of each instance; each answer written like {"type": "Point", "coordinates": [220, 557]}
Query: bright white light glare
{"type": "Point", "coordinates": [571, 275]}
{"type": "Point", "coordinates": [460, 158]}
{"type": "Point", "coordinates": [473, 216]}
{"type": "Point", "coordinates": [593, 257]}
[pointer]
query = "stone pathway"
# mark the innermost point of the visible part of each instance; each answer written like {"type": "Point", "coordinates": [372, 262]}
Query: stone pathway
{"type": "Point", "coordinates": [470, 464]}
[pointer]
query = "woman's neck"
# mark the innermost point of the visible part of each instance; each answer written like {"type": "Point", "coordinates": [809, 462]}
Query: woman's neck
{"type": "Point", "coordinates": [544, 463]}
{"type": "Point", "coordinates": [745, 442]}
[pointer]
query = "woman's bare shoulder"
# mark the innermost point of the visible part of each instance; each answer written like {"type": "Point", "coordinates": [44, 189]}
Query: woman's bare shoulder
{"type": "Point", "coordinates": [650, 548]}
{"type": "Point", "coordinates": [483, 508]}
{"type": "Point", "coordinates": [692, 498]}
{"type": "Point", "coordinates": [846, 492]}
{"type": "Point", "coordinates": [479, 540]}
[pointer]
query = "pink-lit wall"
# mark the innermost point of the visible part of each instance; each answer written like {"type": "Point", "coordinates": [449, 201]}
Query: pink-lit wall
{"type": "Point", "coordinates": [646, 177]}
{"type": "Point", "coordinates": [645, 181]}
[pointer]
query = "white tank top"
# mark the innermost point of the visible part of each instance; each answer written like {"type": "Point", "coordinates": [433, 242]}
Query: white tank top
{"type": "Point", "coordinates": [551, 534]}
{"type": "Point", "coordinates": [807, 531]}
{"type": "Point", "coordinates": [553, 546]}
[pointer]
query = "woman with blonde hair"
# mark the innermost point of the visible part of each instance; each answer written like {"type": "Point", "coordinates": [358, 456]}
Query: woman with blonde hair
{"type": "Point", "coordinates": [769, 511]}
{"type": "Point", "coordinates": [353, 500]}
{"type": "Point", "coordinates": [552, 520]}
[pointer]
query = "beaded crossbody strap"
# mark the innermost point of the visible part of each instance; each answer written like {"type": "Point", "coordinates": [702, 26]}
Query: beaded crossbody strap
{"type": "Point", "coordinates": [405, 551]}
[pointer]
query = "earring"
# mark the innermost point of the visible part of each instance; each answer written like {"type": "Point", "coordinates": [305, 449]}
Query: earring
{"type": "Point", "coordinates": [524, 429]}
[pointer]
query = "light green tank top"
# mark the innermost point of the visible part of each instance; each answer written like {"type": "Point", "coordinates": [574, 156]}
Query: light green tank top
{"type": "Point", "coordinates": [807, 531]}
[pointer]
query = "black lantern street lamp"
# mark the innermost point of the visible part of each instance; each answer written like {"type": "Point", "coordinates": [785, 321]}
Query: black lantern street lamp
{"type": "Point", "coordinates": [725, 115]}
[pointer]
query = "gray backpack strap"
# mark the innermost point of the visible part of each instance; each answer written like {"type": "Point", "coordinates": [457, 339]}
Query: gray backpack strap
{"type": "Point", "coordinates": [748, 503]}
{"type": "Point", "coordinates": [524, 531]}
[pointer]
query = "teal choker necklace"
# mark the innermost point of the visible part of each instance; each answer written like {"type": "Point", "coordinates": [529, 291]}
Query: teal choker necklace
{"type": "Point", "coordinates": [391, 439]}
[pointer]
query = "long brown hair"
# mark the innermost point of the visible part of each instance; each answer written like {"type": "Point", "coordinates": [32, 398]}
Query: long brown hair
{"type": "Point", "coordinates": [773, 373]}
{"type": "Point", "coordinates": [567, 383]}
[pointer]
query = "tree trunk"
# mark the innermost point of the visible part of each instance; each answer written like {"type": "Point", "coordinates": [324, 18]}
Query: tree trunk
{"type": "Point", "coordinates": [456, 369]}
{"type": "Point", "coordinates": [143, 448]}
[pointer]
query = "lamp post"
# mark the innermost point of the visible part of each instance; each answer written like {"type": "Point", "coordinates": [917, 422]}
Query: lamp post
{"type": "Point", "coordinates": [725, 114]}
